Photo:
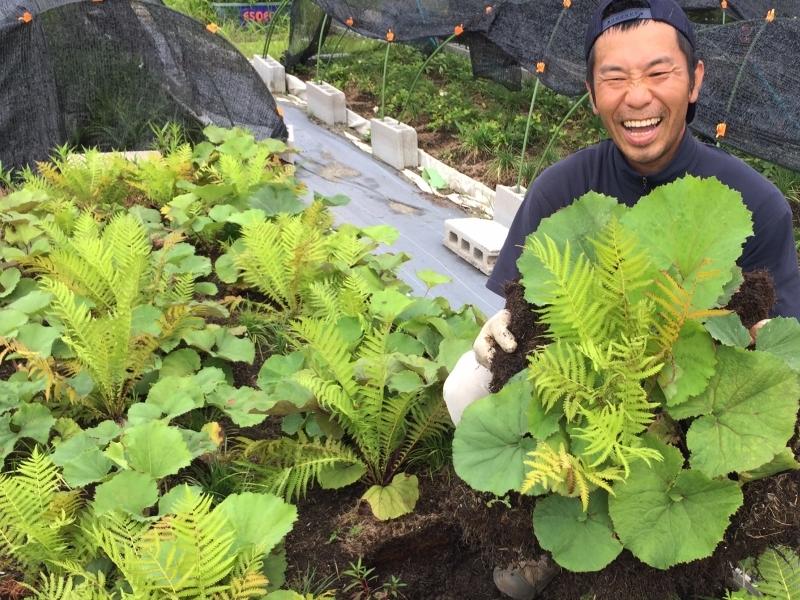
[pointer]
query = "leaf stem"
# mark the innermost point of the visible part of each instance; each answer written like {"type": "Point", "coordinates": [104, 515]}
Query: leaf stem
{"type": "Point", "coordinates": [383, 85]}
{"type": "Point", "coordinates": [419, 73]}
{"type": "Point", "coordinates": [271, 28]}
{"type": "Point", "coordinates": [527, 133]}
{"type": "Point", "coordinates": [319, 45]}
{"type": "Point", "coordinates": [744, 63]}
{"type": "Point", "coordinates": [555, 133]}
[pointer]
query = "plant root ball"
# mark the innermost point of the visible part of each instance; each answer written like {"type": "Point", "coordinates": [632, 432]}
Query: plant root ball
{"type": "Point", "coordinates": [755, 297]}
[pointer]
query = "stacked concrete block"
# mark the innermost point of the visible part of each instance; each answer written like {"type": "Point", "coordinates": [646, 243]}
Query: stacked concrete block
{"type": "Point", "coordinates": [290, 157]}
{"type": "Point", "coordinates": [272, 73]}
{"type": "Point", "coordinates": [296, 86]}
{"type": "Point", "coordinates": [477, 241]}
{"type": "Point", "coordinates": [506, 204]}
{"type": "Point", "coordinates": [394, 143]}
{"type": "Point", "coordinates": [326, 103]}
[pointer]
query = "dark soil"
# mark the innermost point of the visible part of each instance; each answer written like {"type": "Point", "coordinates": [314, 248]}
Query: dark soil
{"type": "Point", "coordinates": [447, 549]}
{"type": "Point", "coordinates": [752, 302]}
{"type": "Point", "coordinates": [528, 332]}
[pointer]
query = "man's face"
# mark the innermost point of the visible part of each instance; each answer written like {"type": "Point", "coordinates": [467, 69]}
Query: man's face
{"type": "Point", "coordinates": [641, 92]}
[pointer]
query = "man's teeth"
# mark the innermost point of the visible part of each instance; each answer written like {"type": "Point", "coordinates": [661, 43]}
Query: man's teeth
{"type": "Point", "coordinates": [645, 123]}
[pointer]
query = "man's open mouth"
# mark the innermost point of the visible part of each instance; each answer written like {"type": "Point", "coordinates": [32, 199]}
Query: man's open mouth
{"type": "Point", "coordinates": [642, 127]}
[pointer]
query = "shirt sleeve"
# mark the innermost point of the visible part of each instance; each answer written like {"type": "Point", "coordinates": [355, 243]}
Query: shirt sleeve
{"type": "Point", "coordinates": [772, 247]}
{"type": "Point", "coordinates": [533, 209]}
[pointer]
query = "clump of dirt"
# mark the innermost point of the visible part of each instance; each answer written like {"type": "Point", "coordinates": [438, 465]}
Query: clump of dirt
{"type": "Point", "coordinates": [445, 550]}
{"type": "Point", "coordinates": [525, 328]}
{"type": "Point", "coordinates": [755, 297]}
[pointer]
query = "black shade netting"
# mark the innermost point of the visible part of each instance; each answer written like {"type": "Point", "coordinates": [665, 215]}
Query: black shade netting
{"type": "Point", "coordinates": [307, 24]}
{"type": "Point", "coordinates": [490, 61]}
{"type": "Point", "coordinates": [751, 88]}
{"type": "Point", "coordinates": [103, 74]}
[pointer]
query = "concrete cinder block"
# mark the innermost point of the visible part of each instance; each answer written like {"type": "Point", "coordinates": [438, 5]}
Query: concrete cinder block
{"type": "Point", "coordinates": [394, 143]}
{"type": "Point", "coordinates": [290, 157]}
{"type": "Point", "coordinates": [478, 241]}
{"type": "Point", "coordinates": [357, 122]}
{"type": "Point", "coordinates": [506, 204]}
{"type": "Point", "coordinates": [271, 72]}
{"type": "Point", "coordinates": [326, 103]}
{"type": "Point", "coordinates": [296, 86]}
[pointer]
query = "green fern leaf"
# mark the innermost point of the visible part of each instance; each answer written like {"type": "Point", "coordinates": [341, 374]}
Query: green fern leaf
{"type": "Point", "coordinates": [780, 570]}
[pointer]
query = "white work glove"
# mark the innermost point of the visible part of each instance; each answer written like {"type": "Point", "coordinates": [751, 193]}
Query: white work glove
{"type": "Point", "coordinates": [754, 330]}
{"type": "Point", "coordinates": [494, 333]}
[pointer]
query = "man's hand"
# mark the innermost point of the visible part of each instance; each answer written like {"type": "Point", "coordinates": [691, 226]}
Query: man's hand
{"type": "Point", "coordinates": [753, 330]}
{"type": "Point", "coordinates": [494, 332]}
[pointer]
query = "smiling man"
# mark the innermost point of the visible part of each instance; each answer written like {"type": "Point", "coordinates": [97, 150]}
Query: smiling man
{"type": "Point", "coordinates": [643, 78]}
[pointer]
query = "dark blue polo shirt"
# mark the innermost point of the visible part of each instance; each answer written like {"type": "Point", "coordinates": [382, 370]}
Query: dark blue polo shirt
{"type": "Point", "coordinates": [602, 168]}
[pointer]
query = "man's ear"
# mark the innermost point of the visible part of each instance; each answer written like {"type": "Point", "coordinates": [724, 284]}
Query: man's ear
{"type": "Point", "coordinates": [591, 97]}
{"type": "Point", "coordinates": [698, 81]}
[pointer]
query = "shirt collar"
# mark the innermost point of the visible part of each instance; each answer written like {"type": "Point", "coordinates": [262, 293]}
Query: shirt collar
{"type": "Point", "coordinates": [684, 161]}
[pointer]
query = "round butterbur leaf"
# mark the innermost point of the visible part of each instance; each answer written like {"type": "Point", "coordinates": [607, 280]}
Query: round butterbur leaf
{"type": "Point", "coordinates": [491, 441]}
{"type": "Point", "coordinates": [746, 414]}
{"type": "Point", "coordinates": [578, 540]}
{"type": "Point", "coordinates": [666, 515]}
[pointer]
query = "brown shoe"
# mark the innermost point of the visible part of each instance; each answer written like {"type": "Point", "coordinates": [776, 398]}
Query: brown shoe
{"type": "Point", "coordinates": [526, 581]}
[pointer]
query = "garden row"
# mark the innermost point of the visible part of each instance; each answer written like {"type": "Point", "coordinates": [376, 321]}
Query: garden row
{"type": "Point", "coordinates": [152, 312]}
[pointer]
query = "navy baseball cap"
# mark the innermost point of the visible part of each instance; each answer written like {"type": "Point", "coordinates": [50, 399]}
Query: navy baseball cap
{"type": "Point", "coordinates": [666, 11]}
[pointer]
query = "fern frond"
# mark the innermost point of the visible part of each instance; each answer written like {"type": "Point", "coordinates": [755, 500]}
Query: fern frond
{"type": "Point", "coordinates": [322, 298]}
{"type": "Point", "coordinates": [324, 339]}
{"type": "Point", "coordinates": [571, 311]}
{"type": "Point", "coordinates": [247, 579]}
{"type": "Point", "coordinates": [354, 296]}
{"type": "Point", "coordinates": [428, 419]}
{"type": "Point", "coordinates": [264, 265]}
{"type": "Point", "coordinates": [287, 466]}
{"type": "Point", "coordinates": [621, 270]}
{"type": "Point", "coordinates": [558, 372]}
{"type": "Point", "coordinates": [779, 569]}
{"type": "Point", "coordinates": [189, 553]}
{"type": "Point", "coordinates": [562, 472]}
{"type": "Point", "coordinates": [346, 247]}
{"type": "Point", "coordinates": [25, 498]}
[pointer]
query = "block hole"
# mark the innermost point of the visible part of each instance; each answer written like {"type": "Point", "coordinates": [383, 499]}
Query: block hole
{"type": "Point", "coordinates": [491, 260]}
{"type": "Point", "coordinates": [477, 254]}
{"type": "Point", "coordinates": [465, 245]}
{"type": "Point", "coordinates": [452, 238]}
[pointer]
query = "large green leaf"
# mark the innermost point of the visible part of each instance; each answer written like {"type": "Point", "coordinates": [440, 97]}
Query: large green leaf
{"type": "Point", "coordinates": [234, 349]}
{"type": "Point", "coordinates": [33, 421]}
{"type": "Point", "coordinates": [13, 393]}
{"type": "Point", "coordinates": [393, 500]}
{"type": "Point", "coordinates": [578, 540]}
{"type": "Point", "coordinates": [38, 338]}
{"type": "Point", "coordinates": [10, 322]}
{"type": "Point", "coordinates": [746, 414]}
{"type": "Point", "coordinates": [542, 424]}
{"type": "Point", "coordinates": [781, 337]}
{"type": "Point", "coordinates": [666, 515]}
{"type": "Point", "coordinates": [156, 449]}
{"type": "Point", "coordinates": [728, 329]}
{"type": "Point", "coordinates": [180, 362]}
{"type": "Point", "coordinates": [690, 223]}
{"type": "Point", "coordinates": [579, 223]}
{"type": "Point", "coordinates": [129, 491]}
{"type": "Point", "coordinates": [277, 368]}
{"type": "Point", "coordinates": [245, 406]}
{"type": "Point", "coordinates": [9, 278]}
{"type": "Point", "coordinates": [492, 440]}
{"type": "Point", "coordinates": [175, 395]}
{"type": "Point", "coordinates": [783, 461]}
{"type": "Point", "coordinates": [88, 467]}
{"type": "Point", "coordinates": [691, 365]}
{"type": "Point", "coordinates": [340, 475]}
{"type": "Point", "coordinates": [257, 519]}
